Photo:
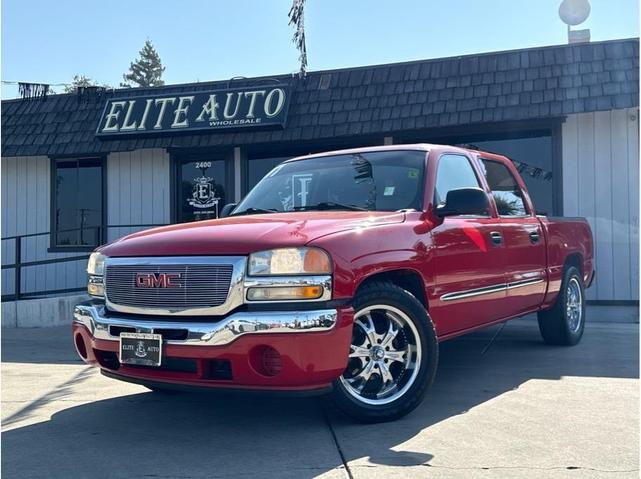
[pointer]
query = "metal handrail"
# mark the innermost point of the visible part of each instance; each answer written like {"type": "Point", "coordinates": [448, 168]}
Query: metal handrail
{"type": "Point", "coordinates": [18, 264]}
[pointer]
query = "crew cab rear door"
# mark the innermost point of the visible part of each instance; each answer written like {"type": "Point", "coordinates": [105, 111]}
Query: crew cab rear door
{"type": "Point", "coordinates": [525, 245]}
{"type": "Point", "coordinates": [469, 255]}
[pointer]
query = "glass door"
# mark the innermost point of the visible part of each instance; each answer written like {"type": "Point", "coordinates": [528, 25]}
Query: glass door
{"type": "Point", "coordinates": [202, 189]}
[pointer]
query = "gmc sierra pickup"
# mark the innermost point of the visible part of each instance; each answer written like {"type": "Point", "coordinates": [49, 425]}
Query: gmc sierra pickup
{"type": "Point", "coordinates": [339, 272]}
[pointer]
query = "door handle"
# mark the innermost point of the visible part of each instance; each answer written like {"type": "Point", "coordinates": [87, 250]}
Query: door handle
{"type": "Point", "coordinates": [497, 238]}
{"type": "Point", "coordinates": [534, 237]}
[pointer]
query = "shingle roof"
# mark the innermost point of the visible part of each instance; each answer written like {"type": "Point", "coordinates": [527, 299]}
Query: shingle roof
{"type": "Point", "coordinates": [382, 99]}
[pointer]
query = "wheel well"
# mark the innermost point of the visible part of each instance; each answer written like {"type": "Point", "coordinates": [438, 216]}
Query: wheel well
{"type": "Point", "coordinates": [576, 260]}
{"type": "Point", "coordinates": [407, 279]}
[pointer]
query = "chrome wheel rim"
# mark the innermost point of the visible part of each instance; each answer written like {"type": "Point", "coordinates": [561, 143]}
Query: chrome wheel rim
{"type": "Point", "coordinates": [385, 355]}
{"type": "Point", "coordinates": [574, 305]}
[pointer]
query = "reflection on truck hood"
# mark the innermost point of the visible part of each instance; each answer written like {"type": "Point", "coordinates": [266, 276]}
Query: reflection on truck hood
{"type": "Point", "coordinates": [242, 235]}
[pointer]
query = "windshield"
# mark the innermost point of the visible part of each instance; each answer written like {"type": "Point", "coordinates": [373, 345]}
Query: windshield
{"type": "Point", "coordinates": [380, 181]}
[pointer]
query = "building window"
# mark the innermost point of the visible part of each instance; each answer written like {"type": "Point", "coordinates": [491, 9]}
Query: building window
{"type": "Point", "coordinates": [76, 203]}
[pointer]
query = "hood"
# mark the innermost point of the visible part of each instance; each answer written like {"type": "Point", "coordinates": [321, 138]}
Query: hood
{"type": "Point", "coordinates": [242, 235]}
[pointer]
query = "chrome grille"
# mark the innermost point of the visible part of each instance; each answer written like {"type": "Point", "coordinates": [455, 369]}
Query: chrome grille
{"type": "Point", "coordinates": [201, 285]}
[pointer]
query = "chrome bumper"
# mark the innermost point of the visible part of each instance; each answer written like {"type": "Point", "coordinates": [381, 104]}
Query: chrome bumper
{"type": "Point", "coordinates": [208, 334]}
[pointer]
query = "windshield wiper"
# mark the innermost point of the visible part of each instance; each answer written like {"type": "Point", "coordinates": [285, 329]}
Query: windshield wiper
{"type": "Point", "coordinates": [252, 211]}
{"type": "Point", "coordinates": [330, 205]}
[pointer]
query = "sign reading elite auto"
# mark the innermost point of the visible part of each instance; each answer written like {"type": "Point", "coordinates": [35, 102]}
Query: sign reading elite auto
{"type": "Point", "coordinates": [208, 110]}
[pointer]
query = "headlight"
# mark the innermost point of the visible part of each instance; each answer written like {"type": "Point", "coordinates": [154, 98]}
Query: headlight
{"type": "Point", "coordinates": [96, 264]}
{"type": "Point", "coordinates": [96, 270]}
{"type": "Point", "coordinates": [289, 261]}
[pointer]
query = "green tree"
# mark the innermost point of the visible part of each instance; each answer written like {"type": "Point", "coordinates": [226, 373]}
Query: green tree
{"type": "Point", "coordinates": [146, 70]}
{"type": "Point", "coordinates": [79, 81]}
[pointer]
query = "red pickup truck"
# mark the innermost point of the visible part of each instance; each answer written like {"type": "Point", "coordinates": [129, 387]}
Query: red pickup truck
{"type": "Point", "coordinates": [338, 272]}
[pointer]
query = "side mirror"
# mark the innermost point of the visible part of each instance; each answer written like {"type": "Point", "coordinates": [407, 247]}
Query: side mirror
{"type": "Point", "coordinates": [228, 208]}
{"type": "Point", "coordinates": [464, 201]}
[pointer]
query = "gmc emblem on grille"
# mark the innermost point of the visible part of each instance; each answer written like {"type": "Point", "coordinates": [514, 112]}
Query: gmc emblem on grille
{"type": "Point", "coordinates": [157, 280]}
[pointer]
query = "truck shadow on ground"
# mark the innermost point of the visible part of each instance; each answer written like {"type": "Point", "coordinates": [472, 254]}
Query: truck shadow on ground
{"type": "Point", "coordinates": [208, 435]}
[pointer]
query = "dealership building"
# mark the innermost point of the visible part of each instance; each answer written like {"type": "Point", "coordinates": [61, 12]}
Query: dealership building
{"type": "Point", "coordinates": [85, 168]}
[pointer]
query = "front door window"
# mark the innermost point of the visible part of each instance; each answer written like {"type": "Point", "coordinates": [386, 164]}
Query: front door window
{"type": "Point", "coordinates": [202, 190]}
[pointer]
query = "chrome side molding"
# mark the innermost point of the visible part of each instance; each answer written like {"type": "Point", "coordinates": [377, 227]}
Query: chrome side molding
{"type": "Point", "coordinates": [469, 293]}
{"type": "Point", "coordinates": [526, 282]}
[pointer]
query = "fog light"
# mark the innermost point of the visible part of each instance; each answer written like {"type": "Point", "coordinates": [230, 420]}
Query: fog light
{"type": "Point", "coordinates": [265, 360]}
{"type": "Point", "coordinates": [272, 362]}
{"type": "Point", "coordinates": [282, 293]}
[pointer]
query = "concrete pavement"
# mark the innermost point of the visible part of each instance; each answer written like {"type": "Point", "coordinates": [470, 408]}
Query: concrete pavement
{"type": "Point", "coordinates": [512, 407]}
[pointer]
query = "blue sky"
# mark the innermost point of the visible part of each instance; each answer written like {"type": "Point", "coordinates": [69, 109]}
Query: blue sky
{"type": "Point", "coordinates": [200, 40]}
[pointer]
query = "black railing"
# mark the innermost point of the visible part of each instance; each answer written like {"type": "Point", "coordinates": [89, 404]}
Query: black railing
{"type": "Point", "coordinates": [18, 264]}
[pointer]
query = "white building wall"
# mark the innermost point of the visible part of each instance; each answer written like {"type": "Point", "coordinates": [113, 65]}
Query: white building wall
{"type": "Point", "coordinates": [601, 182]}
{"type": "Point", "coordinates": [138, 190]}
{"type": "Point", "coordinates": [26, 189]}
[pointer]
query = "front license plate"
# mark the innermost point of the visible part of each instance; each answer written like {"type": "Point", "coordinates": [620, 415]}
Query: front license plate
{"type": "Point", "coordinates": [142, 349]}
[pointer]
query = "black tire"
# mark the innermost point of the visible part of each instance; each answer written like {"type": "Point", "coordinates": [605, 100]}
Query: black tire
{"type": "Point", "coordinates": [423, 370]}
{"type": "Point", "coordinates": [557, 325]}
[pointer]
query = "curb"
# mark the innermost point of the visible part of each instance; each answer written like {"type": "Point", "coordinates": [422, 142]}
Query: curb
{"type": "Point", "coordinates": [40, 313]}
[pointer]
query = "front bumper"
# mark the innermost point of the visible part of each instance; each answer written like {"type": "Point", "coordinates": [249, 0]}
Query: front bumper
{"type": "Point", "coordinates": [313, 346]}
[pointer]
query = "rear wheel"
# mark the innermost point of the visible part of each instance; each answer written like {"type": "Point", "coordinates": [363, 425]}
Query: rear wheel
{"type": "Point", "coordinates": [563, 324]}
{"type": "Point", "coordinates": [393, 355]}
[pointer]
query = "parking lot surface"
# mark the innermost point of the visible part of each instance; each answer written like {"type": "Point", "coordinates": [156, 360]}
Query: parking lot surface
{"type": "Point", "coordinates": [503, 405]}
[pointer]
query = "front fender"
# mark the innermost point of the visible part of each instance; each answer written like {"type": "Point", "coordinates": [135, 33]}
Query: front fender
{"type": "Point", "coordinates": [357, 255]}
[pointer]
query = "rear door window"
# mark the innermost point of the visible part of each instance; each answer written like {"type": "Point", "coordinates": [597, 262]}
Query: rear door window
{"type": "Point", "coordinates": [505, 190]}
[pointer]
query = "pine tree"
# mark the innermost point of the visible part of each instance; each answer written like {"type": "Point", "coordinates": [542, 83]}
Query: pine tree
{"type": "Point", "coordinates": [146, 70]}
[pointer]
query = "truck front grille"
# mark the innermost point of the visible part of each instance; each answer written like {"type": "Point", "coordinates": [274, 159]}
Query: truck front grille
{"type": "Point", "coordinates": [190, 285]}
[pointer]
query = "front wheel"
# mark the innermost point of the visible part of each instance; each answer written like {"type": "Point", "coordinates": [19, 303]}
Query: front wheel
{"type": "Point", "coordinates": [563, 324]}
{"type": "Point", "coordinates": [393, 355]}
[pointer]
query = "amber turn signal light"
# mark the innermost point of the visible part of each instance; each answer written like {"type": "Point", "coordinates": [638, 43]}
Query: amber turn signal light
{"type": "Point", "coordinates": [284, 293]}
{"type": "Point", "coordinates": [95, 289]}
